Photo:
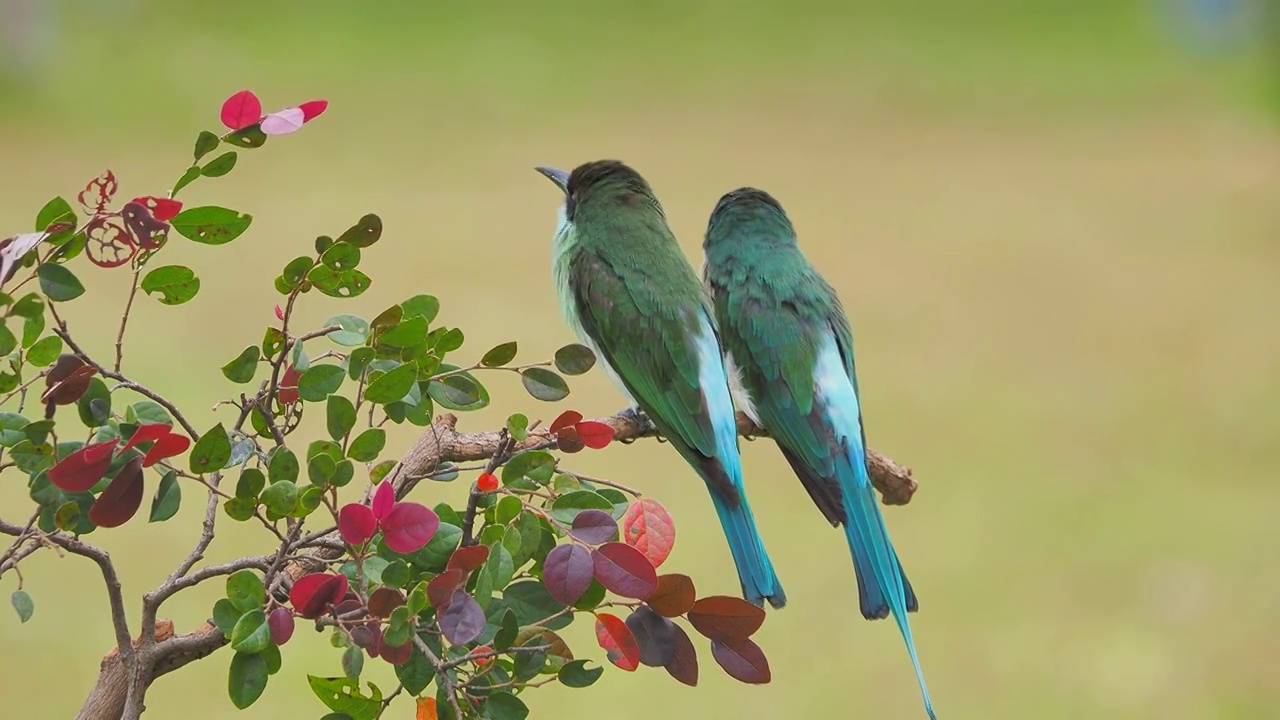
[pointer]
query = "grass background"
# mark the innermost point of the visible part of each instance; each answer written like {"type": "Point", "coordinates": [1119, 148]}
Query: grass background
{"type": "Point", "coordinates": [1053, 225]}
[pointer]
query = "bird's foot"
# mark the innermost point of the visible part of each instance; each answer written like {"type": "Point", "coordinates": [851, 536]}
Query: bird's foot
{"type": "Point", "coordinates": [635, 415]}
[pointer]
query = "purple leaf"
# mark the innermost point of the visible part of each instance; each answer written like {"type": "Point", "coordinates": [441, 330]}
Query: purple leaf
{"type": "Point", "coordinates": [654, 634]}
{"type": "Point", "coordinates": [567, 572]}
{"type": "Point", "coordinates": [280, 621]}
{"type": "Point", "coordinates": [742, 659]}
{"type": "Point", "coordinates": [464, 620]}
{"type": "Point", "coordinates": [594, 527]}
{"type": "Point", "coordinates": [624, 570]}
{"type": "Point", "coordinates": [283, 122]}
{"type": "Point", "coordinates": [408, 527]}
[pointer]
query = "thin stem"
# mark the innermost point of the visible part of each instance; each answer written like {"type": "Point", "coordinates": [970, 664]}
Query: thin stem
{"type": "Point", "coordinates": [124, 319]}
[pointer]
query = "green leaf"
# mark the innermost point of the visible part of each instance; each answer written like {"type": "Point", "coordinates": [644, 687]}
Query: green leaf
{"type": "Point", "coordinates": [411, 332]}
{"type": "Point", "coordinates": [367, 445]}
{"type": "Point", "coordinates": [248, 137]}
{"type": "Point", "coordinates": [447, 341]}
{"type": "Point", "coordinates": [544, 384]}
{"type": "Point", "coordinates": [533, 604]}
{"type": "Point", "coordinates": [576, 675]}
{"type": "Point", "coordinates": [245, 590]}
{"type": "Point", "coordinates": [212, 450]}
{"type": "Point", "coordinates": [247, 680]}
{"type": "Point", "coordinates": [251, 483]}
{"type": "Point", "coordinates": [280, 498]}
{"type": "Point", "coordinates": [458, 392]}
{"type": "Point", "coordinates": [295, 272]}
{"type": "Point", "coordinates": [283, 466]}
{"type": "Point", "coordinates": [500, 355]}
{"type": "Point", "coordinates": [191, 175]}
{"type": "Point", "coordinates": [574, 359]}
{"type": "Point", "coordinates": [176, 284]}
{"type": "Point", "coordinates": [567, 506]}
{"type": "Point", "coordinates": [45, 351]}
{"type": "Point", "coordinates": [502, 705]}
{"type": "Point", "coordinates": [56, 210]}
{"type": "Point", "coordinates": [11, 425]}
{"type": "Point", "coordinates": [424, 306]}
{"type": "Point", "coordinates": [320, 468]}
{"type": "Point", "coordinates": [535, 466]}
{"type": "Point", "coordinates": [206, 142]}
{"type": "Point", "coordinates": [32, 458]}
{"type": "Point", "coordinates": [59, 283]}
{"type": "Point", "coordinates": [507, 509]}
{"type": "Point", "coordinates": [272, 656]}
{"type": "Point", "coordinates": [225, 615]}
{"type": "Point", "coordinates": [343, 472]}
{"type": "Point", "coordinates": [243, 367]}
{"type": "Point", "coordinates": [31, 305]}
{"type": "Point", "coordinates": [338, 283]}
{"type": "Point", "coordinates": [210, 224]}
{"type": "Point", "coordinates": [272, 342]}
{"type": "Point", "coordinates": [319, 382]}
{"type": "Point", "coordinates": [340, 415]}
{"type": "Point", "coordinates": [341, 256]}
{"type": "Point", "coordinates": [220, 165]}
{"type": "Point", "coordinates": [518, 426]}
{"type": "Point", "coordinates": [343, 695]}
{"type": "Point", "coordinates": [308, 500]}
{"type": "Point", "coordinates": [23, 604]}
{"type": "Point", "coordinates": [240, 508]}
{"type": "Point", "coordinates": [7, 340]}
{"type": "Point", "coordinates": [168, 498]}
{"type": "Point", "coordinates": [352, 662]}
{"type": "Point", "coordinates": [358, 360]}
{"type": "Point", "coordinates": [355, 330]}
{"type": "Point", "coordinates": [392, 385]}
{"type": "Point", "coordinates": [31, 329]}
{"type": "Point", "coordinates": [251, 633]}
{"type": "Point", "coordinates": [415, 674]}
{"type": "Point", "coordinates": [364, 233]}
{"type": "Point", "coordinates": [146, 412]}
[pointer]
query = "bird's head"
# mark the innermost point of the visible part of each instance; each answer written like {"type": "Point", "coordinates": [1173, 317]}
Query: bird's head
{"type": "Point", "coordinates": [748, 216]}
{"type": "Point", "coordinates": [600, 184]}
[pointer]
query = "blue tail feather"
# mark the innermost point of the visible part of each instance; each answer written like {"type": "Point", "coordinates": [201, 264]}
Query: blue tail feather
{"type": "Point", "coordinates": [755, 571]}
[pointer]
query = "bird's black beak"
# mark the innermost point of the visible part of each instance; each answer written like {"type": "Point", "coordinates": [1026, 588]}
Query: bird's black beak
{"type": "Point", "coordinates": [557, 176]}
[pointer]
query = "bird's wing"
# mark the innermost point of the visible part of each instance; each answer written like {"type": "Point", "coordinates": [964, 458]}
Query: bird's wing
{"type": "Point", "coordinates": [666, 354]}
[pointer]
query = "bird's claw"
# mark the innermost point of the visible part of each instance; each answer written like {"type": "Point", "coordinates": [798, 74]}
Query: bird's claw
{"type": "Point", "coordinates": [635, 415]}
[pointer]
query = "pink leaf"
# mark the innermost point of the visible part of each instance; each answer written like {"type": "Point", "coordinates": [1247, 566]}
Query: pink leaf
{"type": "Point", "coordinates": [279, 312]}
{"type": "Point", "coordinates": [356, 523]}
{"type": "Point", "coordinates": [408, 527]}
{"type": "Point", "coordinates": [312, 594]}
{"type": "Point", "coordinates": [384, 498]}
{"type": "Point", "coordinates": [280, 622]}
{"type": "Point", "coordinates": [146, 433]}
{"type": "Point", "coordinates": [313, 109]}
{"type": "Point", "coordinates": [241, 110]}
{"type": "Point", "coordinates": [283, 122]}
{"type": "Point", "coordinates": [162, 209]}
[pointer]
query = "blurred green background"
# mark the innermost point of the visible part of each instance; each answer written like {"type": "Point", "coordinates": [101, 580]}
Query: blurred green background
{"type": "Point", "coordinates": [1053, 223]}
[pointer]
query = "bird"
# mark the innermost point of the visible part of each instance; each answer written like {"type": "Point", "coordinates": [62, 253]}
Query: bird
{"type": "Point", "coordinates": [789, 347]}
{"type": "Point", "coordinates": [631, 296]}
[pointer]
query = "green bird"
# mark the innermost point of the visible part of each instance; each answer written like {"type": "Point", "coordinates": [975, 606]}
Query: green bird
{"type": "Point", "coordinates": [790, 351]}
{"type": "Point", "coordinates": [627, 291]}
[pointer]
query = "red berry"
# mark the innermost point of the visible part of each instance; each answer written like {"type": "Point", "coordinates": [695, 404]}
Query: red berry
{"type": "Point", "coordinates": [488, 482]}
{"type": "Point", "coordinates": [481, 662]}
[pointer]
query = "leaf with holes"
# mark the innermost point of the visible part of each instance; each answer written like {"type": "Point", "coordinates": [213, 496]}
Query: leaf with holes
{"type": "Point", "coordinates": [655, 635]}
{"type": "Point", "coordinates": [338, 283]}
{"type": "Point", "coordinates": [594, 434]}
{"type": "Point", "coordinates": [241, 110]}
{"type": "Point", "coordinates": [356, 523]}
{"type": "Point", "coordinates": [674, 596]}
{"type": "Point", "coordinates": [576, 675]}
{"type": "Point", "coordinates": [122, 498]}
{"type": "Point", "coordinates": [624, 571]}
{"type": "Point", "coordinates": [723, 617]}
{"type": "Point", "coordinates": [743, 660]}
{"type": "Point", "coordinates": [594, 527]}
{"type": "Point", "coordinates": [107, 241]}
{"type": "Point", "coordinates": [408, 527]}
{"type": "Point", "coordinates": [683, 665]}
{"type": "Point", "coordinates": [567, 572]}
{"type": "Point", "coordinates": [648, 527]}
{"type": "Point", "coordinates": [574, 359]}
{"type": "Point", "coordinates": [83, 468]}
{"type": "Point", "coordinates": [544, 384]}
{"type": "Point", "coordinates": [312, 594]}
{"type": "Point", "coordinates": [168, 446]}
{"type": "Point", "coordinates": [464, 619]}
{"type": "Point", "coordinates": [211, 225]}
{"type": "Point", "coordinates": [616, 639]}
{"type": "Point", "coordinates": [162, 209]}
{"type": "Point", "coordinates": [365, 233]}
{"type": "Point", "coordinates": [97, 194]}
{"type": "Point", "coordinates": [175, 284]}
{"type": "Point", "coordinates": [142, 228]}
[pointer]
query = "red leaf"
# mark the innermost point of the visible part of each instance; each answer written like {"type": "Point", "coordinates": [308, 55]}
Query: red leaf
{"type": "Point", "coordinates": [83, 468]}
{"type": "Point", "coordinates": [683, 665]}
{"type": "Point", "coordinates": [594, 434]}
{"type": "Point", "coordinates": [396, 654]}
{"type": "Point", "coordinates": [567, 440]}
{"type": "Point", "coordinates": [594, 527]}
{"type": "Point", "coordinates": [166, 447]}
{"type": "Point", "coordinates": [618, 642]}
{"type": "Point", "coordinates": [722, 617]}
{"type": "Point", "coordinates": [567, 572]}
{"type": "Point", "coordinates": [568, 418]}
{"type": "Point", "coordinates": [464, 619]}
{"type": "Point", "coordinates": [648, 527]}
{"type": "Point", "coordinates": [313, 593]}
{"type": "Point", "coordinates": [279, 312]}
{"type": "Point", "coordinates": [624, 571]}
{"type": "Point", "coordinates": [655, 636]}
{"type": "Point", "coordinates": [288, 389]}
{"type": "Point", "coordinates": [408, 527]}
{"type": "Point", "coordinates": [144, 230]}
{"type": "Point", "coordinates": [313, 109]}
{"type": "Point", "coordinates": [487, 482]}
{"type": "Point", "coordinates": [468, 558]}
{"type": "Point", "coordinates": [384, 498]}
{"type": "Point", "coordinates": [280, 622]}
{"type": "Point", "coordinates": [162, 209]}
{"type": "Point", "coordinates": [67, 380]}
{"type": "Point", "coordinates": [427, 709]}
{"type": "Point", "coordinates": [241, 110]}
{"type": "Point", "coordinates": [674, 597]}
{"type": "Point", "coordinates": [383, 600]}
{"type": "Point", "coordinates": [147, 433]}
{"type": "Point", "coordinates": [440, 589]}
{"type": "Point", "coordinates": [107, 242]}
{"type": "Point", "coordinates": [743, 660]}
{"type": "Point", "coordinates": [356, 523]}
{"type": "Point", "coordinates": [97, 194]}
{"type": "Point", "coordinates": [122, 498]}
